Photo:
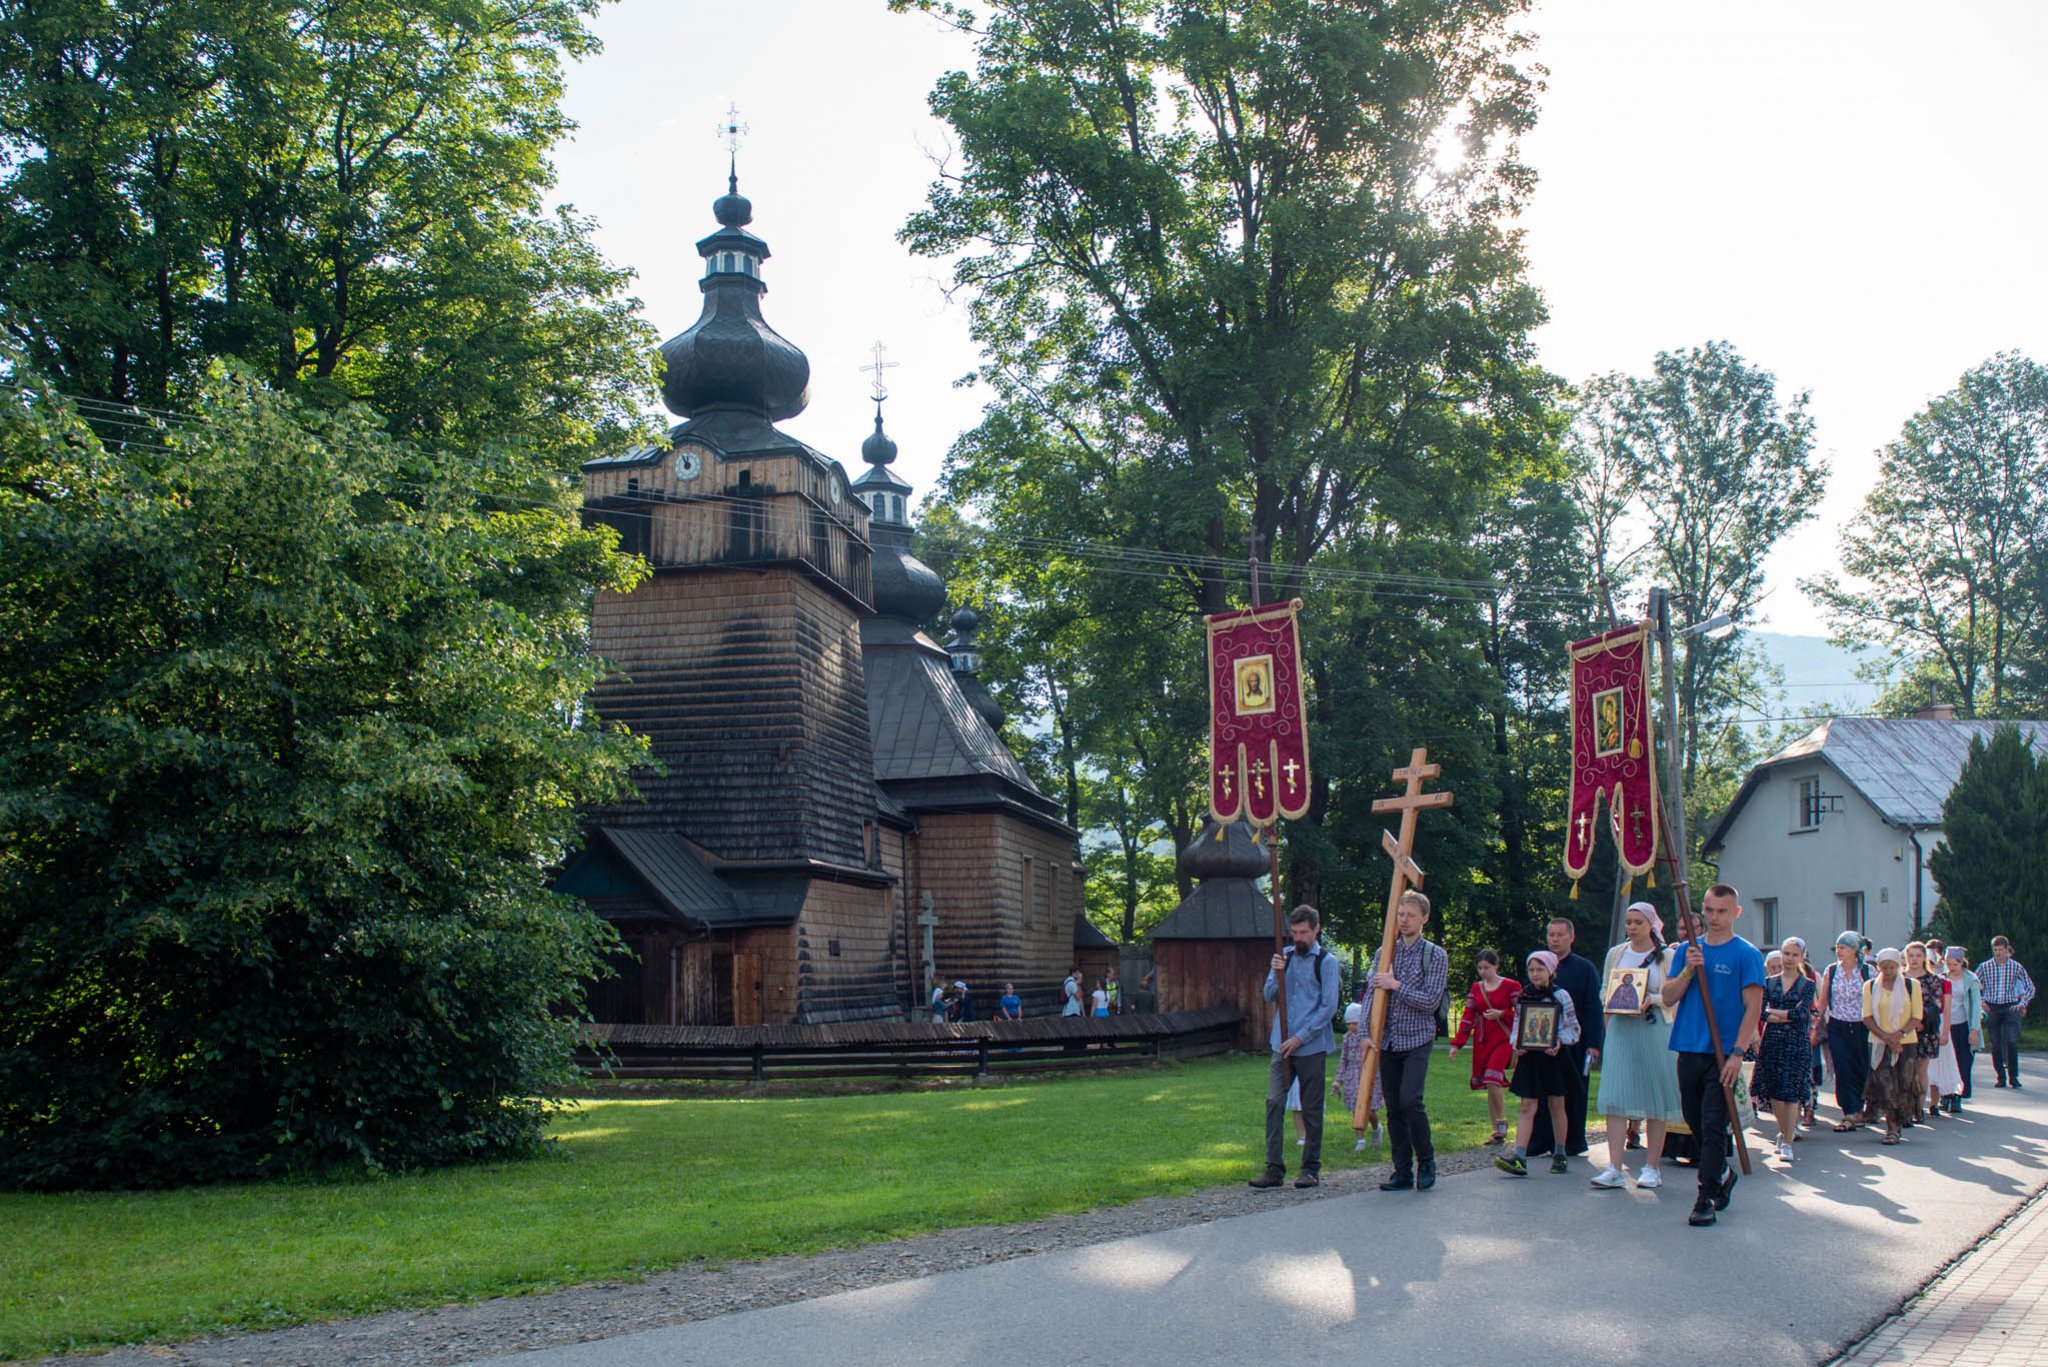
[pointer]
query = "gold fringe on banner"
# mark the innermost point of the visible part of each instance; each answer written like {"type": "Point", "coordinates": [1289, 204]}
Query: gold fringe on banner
{"type": "Point", "coordinates": [1652, 876]}
{"type": "Point", "coordinates": [1575, 889]}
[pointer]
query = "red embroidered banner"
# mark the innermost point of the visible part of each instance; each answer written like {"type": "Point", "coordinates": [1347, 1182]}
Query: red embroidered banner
{"type": "Point", "coordinates": [1258, 727]}
{"type": "Point", "coordinates": [1612, 758]}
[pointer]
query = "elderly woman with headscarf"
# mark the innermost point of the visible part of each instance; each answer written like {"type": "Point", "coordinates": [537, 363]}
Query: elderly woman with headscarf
{"type": "Point", "coordinates": [1637, 1079]}
{"type": "Point", "coordinates": [1891, 1013]}
{"type": "Point", "coordinates": [1838, 1023]}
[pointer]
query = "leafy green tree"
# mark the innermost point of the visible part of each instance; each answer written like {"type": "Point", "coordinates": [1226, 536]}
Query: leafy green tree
{"type": "Point", "coordinates": [1245, 275]}
{"type": "Point", "coordinates": [1946, 566]}
{"type": "Point", "coordinates": [1993, 856]}
{"type": "Point", "coordinates": [349, 197]}
{"type": "Point", "coordinates": [282, 771]}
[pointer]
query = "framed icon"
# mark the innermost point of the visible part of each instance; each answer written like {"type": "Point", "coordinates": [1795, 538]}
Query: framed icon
{"type": "Point", "coordinates": [1536, 1025]}
{"type": "Point", "coordinates": [1607, 728]}
{"type": "Point", "coordinates": [1627, 992]}
{"type": "Point", "coordinates": [1255, 685]}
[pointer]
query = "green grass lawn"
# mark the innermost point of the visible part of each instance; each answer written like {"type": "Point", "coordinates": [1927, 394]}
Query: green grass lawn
{"type": "Point", "coordinates": [636, 1185]}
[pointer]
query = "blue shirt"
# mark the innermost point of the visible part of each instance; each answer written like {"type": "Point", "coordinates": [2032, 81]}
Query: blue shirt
{"type": "Point", "coordinates": [1011, 1005]}
{"type": "Point", "coordinates": [1730, 968]}
{"type": "Point", "coordinates": [1311, 1002]}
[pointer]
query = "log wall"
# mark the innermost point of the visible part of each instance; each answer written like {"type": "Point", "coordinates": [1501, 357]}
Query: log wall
{"type": "Point", "coordinates": [1006, 899]}
{"type": "Point", "coordinates": [1196, 974]}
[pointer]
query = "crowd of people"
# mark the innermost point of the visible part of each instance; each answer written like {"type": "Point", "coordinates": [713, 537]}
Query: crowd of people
{"type": "Point", "coordinates": [1672, 1030]}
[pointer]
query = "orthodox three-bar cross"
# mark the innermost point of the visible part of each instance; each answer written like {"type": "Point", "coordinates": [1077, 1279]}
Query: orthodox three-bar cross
{"type": "Point", "coordinates": [1406, 875]}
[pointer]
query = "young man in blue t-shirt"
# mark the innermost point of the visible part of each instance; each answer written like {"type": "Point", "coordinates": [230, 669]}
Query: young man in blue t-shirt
{"type": "Point", "coordinates": [1731, 970]}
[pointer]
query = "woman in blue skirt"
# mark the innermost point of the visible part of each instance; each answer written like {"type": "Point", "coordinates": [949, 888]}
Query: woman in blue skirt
{"type": "Point", "coordinates": [1638, 1080]}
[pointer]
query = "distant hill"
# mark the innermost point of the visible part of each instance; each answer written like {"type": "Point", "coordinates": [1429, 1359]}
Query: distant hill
{"type": "Point", "coordinates": [1819, 677]}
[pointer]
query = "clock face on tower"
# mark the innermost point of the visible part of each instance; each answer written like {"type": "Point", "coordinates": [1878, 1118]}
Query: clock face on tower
{"type": "Point", "coordinates": [689, 462]}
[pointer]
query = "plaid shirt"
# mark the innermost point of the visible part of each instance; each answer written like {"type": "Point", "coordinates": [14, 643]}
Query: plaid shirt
{"type": "Point", "coordinates": [1411, 1008]}
{"type": "Point", "coordinates": [2006, 984]}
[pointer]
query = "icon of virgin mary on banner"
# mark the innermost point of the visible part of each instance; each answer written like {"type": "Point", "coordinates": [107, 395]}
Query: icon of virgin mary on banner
{"type": "Point", "coordinates": [1612, 759]}
{"type": "Point", "coordinates": [1258, 729]}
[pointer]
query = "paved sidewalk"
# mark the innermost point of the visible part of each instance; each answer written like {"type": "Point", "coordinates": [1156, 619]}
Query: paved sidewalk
{"type": "Point", "coordinates": [1989, 1310]}
{"type": "Point", "coordinates": [1485, 1269]}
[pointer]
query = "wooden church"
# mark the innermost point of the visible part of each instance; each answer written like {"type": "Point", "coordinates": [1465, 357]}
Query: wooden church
{"type": "Point", "coordinates": [836, 815]}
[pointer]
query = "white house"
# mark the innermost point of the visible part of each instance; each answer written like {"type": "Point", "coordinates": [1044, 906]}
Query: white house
{"type": "Point", "coordinates": [1833, 832]}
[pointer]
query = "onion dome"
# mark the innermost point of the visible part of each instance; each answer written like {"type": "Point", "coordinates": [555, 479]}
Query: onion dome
{"type": "Point", "coordinates": [730, 358]}
{"type": "Point", "coordinates": [878, 449]}
{"type": "Point", "coordinates": [1234, 856]}
{"type": "Point", "coordinates": [905, 587]}
{"type": "Point", "coordinates": [965, 650]}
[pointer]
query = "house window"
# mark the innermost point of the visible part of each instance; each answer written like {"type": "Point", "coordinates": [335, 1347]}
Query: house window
{"type": "Point", "coordinates": [1852, 911]}
{"type": "Point", "coordinates": [1806, 805]}
{"type": "Point", "coordinates": [1766, 909]}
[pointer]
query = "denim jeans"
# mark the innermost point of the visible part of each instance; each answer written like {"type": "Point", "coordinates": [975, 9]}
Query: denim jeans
{"type": "Point", "coordinates": [1966, 1057]}
{"type": "Point", "coordinates": [2002, 1036]}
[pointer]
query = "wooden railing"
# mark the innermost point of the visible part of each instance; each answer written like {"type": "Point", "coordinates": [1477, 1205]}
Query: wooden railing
{"type": "Point", "coordinates": [765, 1053]}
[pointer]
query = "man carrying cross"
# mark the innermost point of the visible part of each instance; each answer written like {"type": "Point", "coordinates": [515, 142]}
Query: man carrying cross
{"type": "Point", "coordinates": [1414, 983]}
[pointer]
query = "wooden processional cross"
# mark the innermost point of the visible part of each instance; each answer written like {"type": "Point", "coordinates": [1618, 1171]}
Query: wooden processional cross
{"type": "Point", "coordinates": [1406, 876]}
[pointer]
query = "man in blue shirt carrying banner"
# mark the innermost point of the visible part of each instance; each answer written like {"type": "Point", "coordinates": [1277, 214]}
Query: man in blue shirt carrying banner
{"type": "Point", "coordinates": [1730, 971]}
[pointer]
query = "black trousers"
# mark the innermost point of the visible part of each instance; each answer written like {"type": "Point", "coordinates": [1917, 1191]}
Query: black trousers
{"type": "Point", "coordinates": [1402, 1075]}
{"type": "Point", "coordinates": [1966, 1057]}
{"type": "Point", "coordinates": [2002, 1037]}
{"type": "Point", "coordinates": [1849, 1047]}
{"type": "Point", "coordinates": [1310, 1070]}
{"type": "Point", "coordinates": [1706, 1114]}
{"type": "Point", "coordinates": [1541, 1140]}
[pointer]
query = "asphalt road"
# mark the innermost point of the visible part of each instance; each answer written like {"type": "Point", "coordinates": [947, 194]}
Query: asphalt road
{"type": "Point", "coordinates": [1485, 1270]}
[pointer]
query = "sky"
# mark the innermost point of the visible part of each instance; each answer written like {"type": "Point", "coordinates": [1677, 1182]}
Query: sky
{"type": "Point", "coordinates": [1850, 193]}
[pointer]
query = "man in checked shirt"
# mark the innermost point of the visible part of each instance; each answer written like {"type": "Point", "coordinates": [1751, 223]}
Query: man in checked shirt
{"type": "Point", "coordinates": [2007, 993]}
{"type": "Point", "coordinates": [1414, 983]}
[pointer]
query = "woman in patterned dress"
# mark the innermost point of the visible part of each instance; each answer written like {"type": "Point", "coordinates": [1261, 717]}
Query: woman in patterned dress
{"type": "Point", "coordinates": [1783, 1076]}
{"type": "Point", "coordinates": [1932, 1031]}
{"type": "Point", "coordinates": [1487, 1024]}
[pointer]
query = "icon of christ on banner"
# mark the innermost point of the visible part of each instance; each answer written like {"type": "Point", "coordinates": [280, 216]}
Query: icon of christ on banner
{"type": "Point", "coordinates": [1258, 727]}
{"type": "Point", "coordinates": [1612, 760]}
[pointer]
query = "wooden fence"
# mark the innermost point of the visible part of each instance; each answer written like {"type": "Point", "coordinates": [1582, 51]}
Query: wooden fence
{"type": "Point", "coordinates": [765, 1053]}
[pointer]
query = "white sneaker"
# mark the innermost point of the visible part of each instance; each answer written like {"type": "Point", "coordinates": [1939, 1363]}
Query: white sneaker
{"type": "Point", "coordinates": [1649, 1177]}
{"type": "Point", "coordinates": [1359, 1147]}
{"type": "Point", "coordinates": [1784, 1153]}
{"type": "Point", "coordinates": [1611, 1179]}
{"type": "Point", "coordinates": [1301, 1143]}
{"type": "Point", "coordinates": [1376, 1136]}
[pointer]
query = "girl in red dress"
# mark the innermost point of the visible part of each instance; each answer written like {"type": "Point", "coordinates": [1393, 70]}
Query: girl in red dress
{"type": "Point", "coordinates": [1489, 1016]}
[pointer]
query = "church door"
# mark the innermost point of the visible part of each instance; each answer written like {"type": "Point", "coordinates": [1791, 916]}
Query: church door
{"type": "Point", "coordinates": [746, 989]}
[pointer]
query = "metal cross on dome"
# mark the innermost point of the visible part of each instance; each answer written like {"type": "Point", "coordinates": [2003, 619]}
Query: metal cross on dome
{"type": "Point", "coordinates": [731, 131]}
{"type": "Point", "coordinates": [881, 391]}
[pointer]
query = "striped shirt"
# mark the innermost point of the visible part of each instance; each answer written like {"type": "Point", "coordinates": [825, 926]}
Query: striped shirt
{"type": "Point", "coordinates": [1411, 1008]}
{"type": "Point", "coordinates": [2005, 984]}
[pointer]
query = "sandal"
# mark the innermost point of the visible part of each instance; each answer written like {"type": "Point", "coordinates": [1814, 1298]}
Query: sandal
{"type": "Point", "coordinates": [1891, 1139]}
{"type": "Point", "coordinates": [1845, 1126]}
{"type": "Point", "coordinates": [1496, 1141]}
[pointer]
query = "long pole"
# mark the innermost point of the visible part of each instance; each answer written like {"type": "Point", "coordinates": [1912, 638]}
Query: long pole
{"type": "Point", "coordinates": [1273, 854]}
{"type": "Point", "coordinates": [1672, 829]}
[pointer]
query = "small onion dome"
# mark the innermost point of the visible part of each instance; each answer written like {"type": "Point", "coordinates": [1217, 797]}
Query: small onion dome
{"type": "Point", "coordinates": [878, 449]}
{"type": "Point", "coordinates": [1234, 856]}
{"type": "Point", "coordinates": [732, 208]}
{"type": "Point", "coordinates": [963, 648]}
{"type": "Point", "coordinates": [905, 587]}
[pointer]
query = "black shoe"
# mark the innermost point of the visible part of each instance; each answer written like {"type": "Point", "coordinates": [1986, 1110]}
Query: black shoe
{"type": "Point", "coordinates": [1267, 1180]}
{"type": "Point", "coordinates": [1425, 1176]}
{"type": "Point", "coordinates": [1999, 1083]}
{"type": "Point", "coordinates": [1307, 1180]}
{"type": "Point", "coordinates": [1400, 1181]}
{"type": "Point", "coordinates": [1702, 1213]}
{"type": "Point", "coordinates": [2016, 1085]}
{"type": "Point", "coordinates": [1727, 1190]}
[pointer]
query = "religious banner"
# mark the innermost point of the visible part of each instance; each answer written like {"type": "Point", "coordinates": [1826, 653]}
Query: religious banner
{"type": "Point", "coordinates": [1612, 761]}
{"type": "Point", "coordinates": [1258, 733]}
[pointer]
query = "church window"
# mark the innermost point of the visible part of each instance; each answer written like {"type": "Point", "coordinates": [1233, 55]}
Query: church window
{"type": "Point", "coordinates": [1030, 893]}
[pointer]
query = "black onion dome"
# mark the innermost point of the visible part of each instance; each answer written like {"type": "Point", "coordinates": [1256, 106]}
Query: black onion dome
{"type": "Point", "coordinates": [878, 449]}
{"type": "Point", "coordinates": [905, 587]}
{"type": "Point", "coordinates": [965, 623]}
{"type": "Point", "coordinates": [1234, 856]}
{"type": "Point", "coordinates": [730, 357]}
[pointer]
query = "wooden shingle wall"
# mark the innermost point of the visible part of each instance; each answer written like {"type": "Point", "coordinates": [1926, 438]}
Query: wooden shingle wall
{"type": "Point", "coordinates": [842, 968]}
{"type": "Point", "coordinates": [748, 686]}
{"type": "Point", "coordinates": [992, 927]}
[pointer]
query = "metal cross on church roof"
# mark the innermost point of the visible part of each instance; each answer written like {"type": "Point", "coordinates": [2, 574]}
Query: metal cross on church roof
{"type": "Point", "coordinates": [881, 391]}
{"type": "Point", "coordinates": [731, 131]}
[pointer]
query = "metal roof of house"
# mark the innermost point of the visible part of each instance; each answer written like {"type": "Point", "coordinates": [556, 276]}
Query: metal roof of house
{"type": "Point", "coordinates": [1903, 767]}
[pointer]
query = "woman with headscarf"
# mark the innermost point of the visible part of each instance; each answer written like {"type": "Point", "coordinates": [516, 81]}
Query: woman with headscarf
{"type": "Point", "coordinates": [1782, 1078]}
{"type": "Point", "coordinates": [1637, 1079]}
{"type": "Point", "coordinates": [1891, 1013]}
{"type": "Point", "coordinates": [1965, 1021]}
{"type": "Point", "coordinates": [1838, 1023]}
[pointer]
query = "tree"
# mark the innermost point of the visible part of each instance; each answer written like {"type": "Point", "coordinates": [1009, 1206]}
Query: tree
{"type": "Point", "coordinates": [1245, 275]}
{"type": "Point", "coordinates": [348, 197]}
{"type": "Point", "coordinates": [1946, 566]}
{"type": "Point", "coordinates": [283, 768]}
{"type": "Point", "coordinates": [1993, 853]}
